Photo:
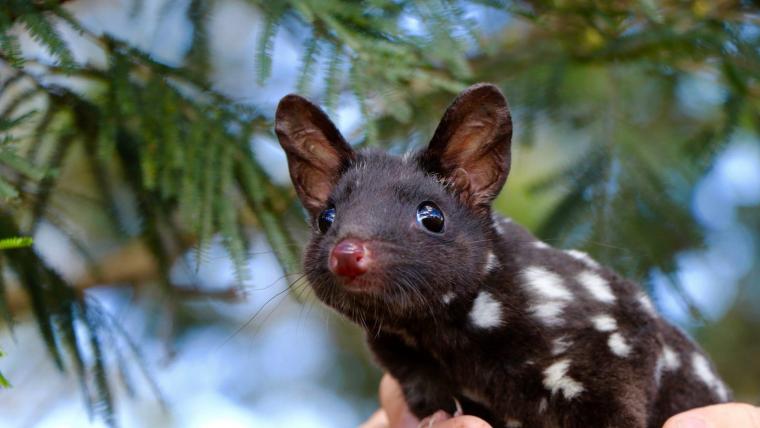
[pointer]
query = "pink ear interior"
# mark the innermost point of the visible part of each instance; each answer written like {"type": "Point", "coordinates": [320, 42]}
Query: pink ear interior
{"type": "Point", "coordinates": [317, 152]}
{"type": "Point", "coordinates": [471, 146]}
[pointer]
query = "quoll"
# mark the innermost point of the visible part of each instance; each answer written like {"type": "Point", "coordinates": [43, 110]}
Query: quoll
{"type": "Point", "coordinates": [464, 306]}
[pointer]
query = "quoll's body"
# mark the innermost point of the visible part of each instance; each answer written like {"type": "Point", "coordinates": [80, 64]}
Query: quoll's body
{"type": "Point", "coordinates": [459, 303]}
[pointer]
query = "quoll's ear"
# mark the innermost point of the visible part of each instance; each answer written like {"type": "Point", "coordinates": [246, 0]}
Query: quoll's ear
{"type": "Point", "coordinates": [317, 152]}
{"type": "Point", "coordinates": [471, 146]}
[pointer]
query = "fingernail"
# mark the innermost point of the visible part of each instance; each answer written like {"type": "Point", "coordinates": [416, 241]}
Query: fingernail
{"type": "Point", "coordinates": [691, 422]}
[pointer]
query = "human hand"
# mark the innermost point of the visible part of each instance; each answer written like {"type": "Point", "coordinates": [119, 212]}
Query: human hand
{"type": "Point", "coordinates": [730, 415]}
{"type": "Point", "coordinates": [394, 413]}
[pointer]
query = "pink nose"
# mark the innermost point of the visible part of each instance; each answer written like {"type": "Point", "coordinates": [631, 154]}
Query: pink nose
{"type": "Point", "coordinates": [349, 258]}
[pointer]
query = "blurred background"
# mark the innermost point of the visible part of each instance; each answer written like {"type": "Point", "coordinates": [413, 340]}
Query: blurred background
{"type": "Point", "coordinates": [163, 285]}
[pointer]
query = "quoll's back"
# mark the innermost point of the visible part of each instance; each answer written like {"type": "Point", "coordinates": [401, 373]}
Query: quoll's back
{"type": "Point", "coordinates": [463, 306]}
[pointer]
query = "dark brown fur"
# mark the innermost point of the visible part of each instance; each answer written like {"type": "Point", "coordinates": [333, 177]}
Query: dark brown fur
{"type": "Point", "coordinates": [431, 344]}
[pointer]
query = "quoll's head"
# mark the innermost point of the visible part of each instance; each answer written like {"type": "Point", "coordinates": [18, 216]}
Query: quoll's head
{"type": "Point", "coordinates": [397, 238]}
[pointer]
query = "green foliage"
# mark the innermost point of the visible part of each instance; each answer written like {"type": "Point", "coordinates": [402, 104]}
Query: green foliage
{"type": "Point", "coordinates": [3, 381]}
{"type": "Point", "coordinates": [8, 243]}
{"type": "Point", "coordinates": [608, 71]}
{"type": "Point", "coordinates": [39, 19]}
{"type": "Point", "coordinates": [9, 159]}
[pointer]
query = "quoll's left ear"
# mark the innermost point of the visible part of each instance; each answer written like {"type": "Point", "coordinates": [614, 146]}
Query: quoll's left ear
{"type": "Point", "coordinates": [471, 146]}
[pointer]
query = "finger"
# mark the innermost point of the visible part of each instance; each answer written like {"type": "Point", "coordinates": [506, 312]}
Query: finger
{"type": "Point", "coordinates": [731, 415]}
{"type": "Point", "coordinates": [392, 401]}
{"type": "Point", "coordinates": [463, 422]}
{"type": "Point", "coordinates": [429, 421]}
{"type": "Point", "coordinates": [378, 420]}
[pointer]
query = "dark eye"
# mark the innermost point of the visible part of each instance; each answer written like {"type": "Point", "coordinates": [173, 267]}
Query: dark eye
{"type": "Point", "coordinates": [326, 219]}
{"type": "Point", "coordinates": [430, 217]}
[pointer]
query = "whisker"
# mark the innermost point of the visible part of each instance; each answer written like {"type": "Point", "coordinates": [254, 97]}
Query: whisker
{"type": "Point", "coordinates": [250, 320]}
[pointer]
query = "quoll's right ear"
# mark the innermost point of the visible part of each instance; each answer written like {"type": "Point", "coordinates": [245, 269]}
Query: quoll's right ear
{"type": "Point", "coordinates": [471, 147]}
{"type": "Point", "coordinates": [317, 152]}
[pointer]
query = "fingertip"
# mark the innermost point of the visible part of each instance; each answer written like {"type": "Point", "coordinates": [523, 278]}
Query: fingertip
{"type": "Point", "coordinates": [434, 419]}
{"type": "Point", "coordinates": [463, 422]}
{"type": "Point", "coordinates": [686, 421]}
{"type": "Point", "coordinates": [392, 401]}
{"type": "Point", "coordinates": [728, 415]}
{"type": "Point", "coordinates": [388, 385]}
{"type": "Point", "coordinates": [391, 396]}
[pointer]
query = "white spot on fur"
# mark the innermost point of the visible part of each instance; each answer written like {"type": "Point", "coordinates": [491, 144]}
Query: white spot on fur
{"type": "Point", "coordinates": [560, 345]}
{"type": "Point", "coordinates": [448, 297]}
{"type": "Point", "coordinates": [618, 345]}
{"type": "Point", "coordinates": [703, 371]}
{"type": "Point", "coordinates": [491, 262]}
{"type": "Point", "coordinates": [541, 245]}
{"type": "Point", "coordinates": [513, 423]}
{"type": "Point", "coordinates": [542, 405]}
{"type": "Point", "coordinates": [550, 292]}
{"type": "Point", "coordinates": [670, 358]}
{"type": "Point", "coordinates": [596, 286]}
{"type": "Point", "coordinates": [667, 361]}
{"type": "Point", "coordinates": [546, 284]}
{"type": "Point", "coordinates": [486, 311]}
{"type": "Point", "coordinates": [556, 380]}
{"type": "Point", "coordinates": [499, 222]}
{"type": "Point", "coordinates": [604, 323]}
{"type": "Point", "coordinates": [646, 304]}
{"type": "Point", "coordinates": [721, 390]}
{"type": "Point", "coordinates": [658, 370]}
{"type": "Point", "coordinates": [548, 312]}
{"type": "Point", "coordinates": [583, 257]}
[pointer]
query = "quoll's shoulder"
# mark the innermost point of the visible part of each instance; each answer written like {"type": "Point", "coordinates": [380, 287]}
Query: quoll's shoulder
{"type": "Point", "coordinates": [571, 297]}
{"type": "Point", "coordinates": [562, 274]}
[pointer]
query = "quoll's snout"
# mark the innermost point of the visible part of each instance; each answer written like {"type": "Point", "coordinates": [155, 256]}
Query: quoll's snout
{"type": "Point", "coordinates": [349, 258]}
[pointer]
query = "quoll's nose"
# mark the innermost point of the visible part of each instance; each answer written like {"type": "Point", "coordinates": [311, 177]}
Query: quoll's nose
{"type": "Point", "coordinates": [349, 258]}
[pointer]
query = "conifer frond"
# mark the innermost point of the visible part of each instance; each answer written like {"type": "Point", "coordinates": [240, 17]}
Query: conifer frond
{"type": "Point", "coordinates": [308, 62]}
{"type": "Point", "coordinates": [333, 78]}
{"type": "Point", "coordinates": [264, 49]}
{"type": "Point", "coordinates": [44, 32]}
{"type": "Point", "coordinates": [11, 164]}
{"type": "Point", "coordinates": [16, 242]}
{"type": "Point", "coordinates": [9, 44]}
{"type": "Point", "coordinates": [102, 400]}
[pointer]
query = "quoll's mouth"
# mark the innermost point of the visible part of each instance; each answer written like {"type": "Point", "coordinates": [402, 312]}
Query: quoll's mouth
{"type": "Point", "coordinates": [361, 284]}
